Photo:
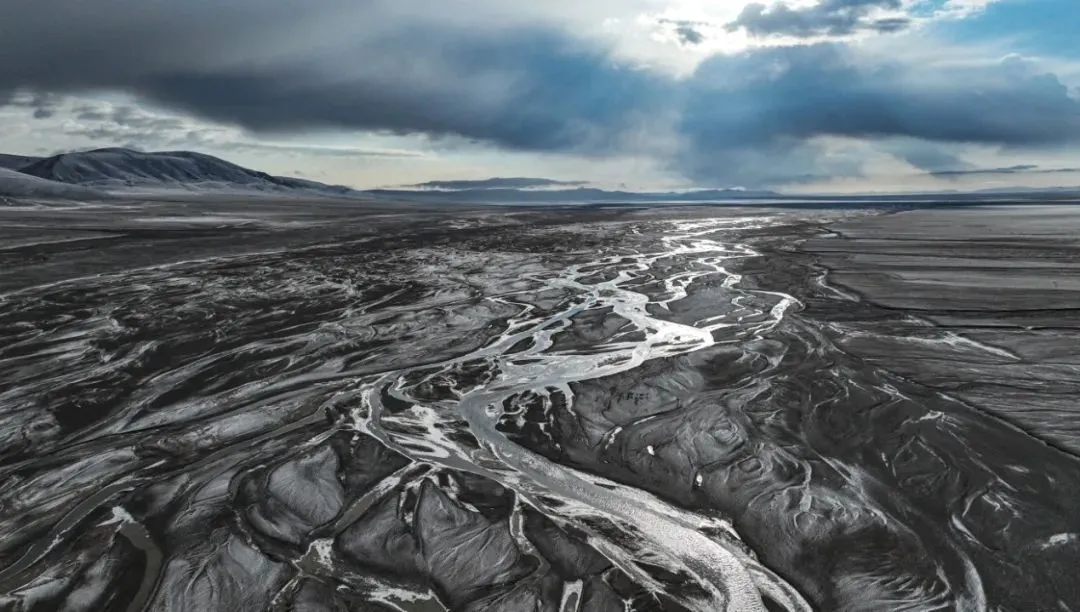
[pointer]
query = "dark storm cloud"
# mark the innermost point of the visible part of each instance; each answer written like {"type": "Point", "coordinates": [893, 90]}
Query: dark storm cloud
{"type": "Point", "coordinates": [689, 35]}
{"type": "Point", "coordinates": [1018, 169]}
{"type": "Point", "coordinates": [889, 25]}
{"type": "Point", "coordinates": [496, 183]}
{"type": "Point", "coordinates": [928, 156]}
{"type": "Point", "coordinates": [757, 113]}
{"type": "Point", "coordinates": [828, 17]}
{"type": "Point", "coordinates": [41, 104]}
{"type": "Point", "coordinates": [824, 89]}
{"type": "Point", "coordinates": [283, 66]}
{"type": "Point", "coordinates": [526, 91]}
{"type": "Point", "coordinates": [689, 32]}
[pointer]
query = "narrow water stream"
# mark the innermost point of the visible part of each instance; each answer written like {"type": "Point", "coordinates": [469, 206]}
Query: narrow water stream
{"type": "Point", "coordinates": [729, 577]}
{"type": "Point", "coordinates": [649, 411]}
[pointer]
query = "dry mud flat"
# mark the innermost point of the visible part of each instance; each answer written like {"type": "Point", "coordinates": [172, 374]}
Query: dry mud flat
{"type": "Point", "coordinates": [653, 409]}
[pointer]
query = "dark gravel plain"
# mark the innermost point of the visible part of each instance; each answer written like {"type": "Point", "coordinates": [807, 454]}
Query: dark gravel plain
{"type": "Point", "coordinates": [280, 405]}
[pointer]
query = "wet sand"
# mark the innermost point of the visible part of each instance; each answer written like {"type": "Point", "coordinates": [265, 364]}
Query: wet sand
{"type": "Point", "coordinates": [304, 406]}
{"type": "Point", "coordinates": [1007, 278]}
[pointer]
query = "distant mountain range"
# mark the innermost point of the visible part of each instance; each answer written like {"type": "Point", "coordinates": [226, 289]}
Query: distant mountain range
{"type": "Point", "coordinates": [120, 172]}
{"type": "Point", "coordinates": [579, 195]}
{"type": "Point", "coordinates": [114, 172]}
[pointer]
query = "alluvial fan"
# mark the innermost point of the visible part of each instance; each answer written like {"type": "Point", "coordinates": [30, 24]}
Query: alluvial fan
{"type": "Point", "coordinates": [633, 413]}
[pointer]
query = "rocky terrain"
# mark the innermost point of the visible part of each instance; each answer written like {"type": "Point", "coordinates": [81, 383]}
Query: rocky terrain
{"type": "Point", "coordinates": [270, 406]}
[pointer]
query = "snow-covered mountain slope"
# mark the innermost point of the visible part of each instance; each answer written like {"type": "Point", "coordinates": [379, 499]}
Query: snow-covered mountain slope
{"type": "Point", "coordinates": [115, 170]}
{"type": "Point", "coordinates": [14, 184]}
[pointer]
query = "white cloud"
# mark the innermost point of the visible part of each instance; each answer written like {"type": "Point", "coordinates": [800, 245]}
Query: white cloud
{"type": "Point", "coordinates": [958, 9]}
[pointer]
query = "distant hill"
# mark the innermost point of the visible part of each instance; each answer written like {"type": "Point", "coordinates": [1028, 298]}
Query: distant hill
{"type": "Point", "coordinates": [14, 162]}
{"type": "Point", "coordinates": [1074, 191]}
{"type": "Point", "coordinates": [580, 195]}
{"type": "Point", "coordinates": [124, 170]}
{"type": "Point", "coordinates": [18, 185]}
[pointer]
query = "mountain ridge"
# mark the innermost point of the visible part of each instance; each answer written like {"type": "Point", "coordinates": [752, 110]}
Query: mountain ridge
{"type": "Point", "coordinates": [115, 170]}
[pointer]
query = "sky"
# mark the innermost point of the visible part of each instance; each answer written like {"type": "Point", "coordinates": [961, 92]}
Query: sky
{"type": "Point", "coordinates": [800, 96]}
